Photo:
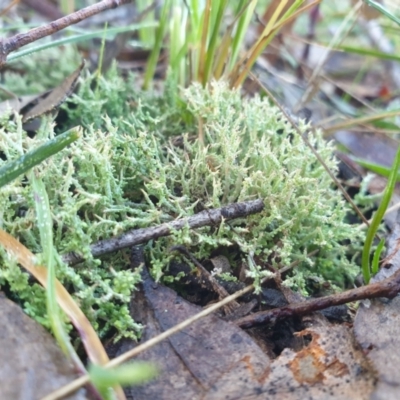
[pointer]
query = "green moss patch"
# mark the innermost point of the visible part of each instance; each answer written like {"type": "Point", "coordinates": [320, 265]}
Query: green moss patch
{"type": "Point", "coordinates": [127, 172]}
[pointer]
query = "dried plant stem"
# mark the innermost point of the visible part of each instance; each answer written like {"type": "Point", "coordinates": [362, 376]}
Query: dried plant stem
{"type": "Point", "coordinates": [15, 42]}
{"type": "Point", "coordinates": [138, 236]}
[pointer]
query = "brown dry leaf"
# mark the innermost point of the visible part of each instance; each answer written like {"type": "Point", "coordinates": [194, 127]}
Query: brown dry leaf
{"type": "Point", "coordinates": [211, 359]}
{"type": "Point", "coordinates": [377, 327]}
{"type": "Point", "coordinates": [50, 101]}
{"type": "Point", "coordinates": [90, 340]}
{"type": "Point", "coordinates": [367, 11]}
{"type": "Point", "coordinates": [31, 364]}
{"type": "Point", "coordinates": [89, 337]}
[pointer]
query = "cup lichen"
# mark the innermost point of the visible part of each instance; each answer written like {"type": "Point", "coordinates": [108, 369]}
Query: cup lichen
{"type": "Point", "coordinates": [126, 172]}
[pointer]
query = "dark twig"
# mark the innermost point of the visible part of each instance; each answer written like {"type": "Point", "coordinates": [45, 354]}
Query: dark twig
{"type": "Point", "coordinates": [388, 288]}
{"type": "Point", "coordinates": [138, 236]}
{"type": "Point", "coordinates": [15, 42]}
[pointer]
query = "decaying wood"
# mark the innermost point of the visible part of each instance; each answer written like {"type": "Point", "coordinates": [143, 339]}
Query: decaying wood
{"type": "Point", "coordinates": [138, 236]}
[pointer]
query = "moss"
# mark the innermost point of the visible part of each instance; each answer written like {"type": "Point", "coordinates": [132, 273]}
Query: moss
{"type": "Point", "coordinates": [125, 173]}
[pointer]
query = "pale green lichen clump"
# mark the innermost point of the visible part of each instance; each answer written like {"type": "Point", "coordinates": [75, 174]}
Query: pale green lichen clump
{"type": "Point", "coordinates": [125, 173]}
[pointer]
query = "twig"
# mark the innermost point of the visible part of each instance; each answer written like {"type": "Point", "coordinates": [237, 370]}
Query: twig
{"type": "Point", "coordinates": [389, 288]}
{"type": "Point", "coordinates": [138, 236]}
{"type": "Point", "coordinates": [15, 42]}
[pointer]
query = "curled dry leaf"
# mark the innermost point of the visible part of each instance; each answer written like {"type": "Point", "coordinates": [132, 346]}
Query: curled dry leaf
{"type": "Point", "coordinates": [50, 101]}
{"type": "Point", "coordinates": [16, 103]}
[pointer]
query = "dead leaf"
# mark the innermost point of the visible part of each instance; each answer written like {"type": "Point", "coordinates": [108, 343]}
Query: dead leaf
{"type": "Point", "coordinates": [31, 364]}
{"type": "Point", "coordinates": [367, 11]}
{"type": "Point", "coordinates": [378, 149]}
{"type": "Point", "coordinates": [211, 359]}
{"type": "Point", "coordinates": [50, 101]}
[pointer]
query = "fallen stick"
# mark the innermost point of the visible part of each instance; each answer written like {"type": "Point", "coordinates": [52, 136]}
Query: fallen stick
{"type": "Point", "coordinates": [22, 39]}
{"type": "Point", "coordinates": [138, 236]}
{"type": "Point", "coordinates": [388, 288]}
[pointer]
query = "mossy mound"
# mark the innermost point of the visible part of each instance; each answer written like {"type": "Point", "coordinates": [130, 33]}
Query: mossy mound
{"type": "Point", "coordinates": [126, 172]}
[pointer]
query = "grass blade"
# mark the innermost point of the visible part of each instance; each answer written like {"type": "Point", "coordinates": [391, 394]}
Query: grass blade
{"type": "Point", "coordinates": [382, 10]}
{"type": "Point", "coordinates": [377, 168]}
{"type": "Point", "coordinates": [377, 218]}
{"type": "Point", "coordinates": [13, 169]}
{"type": "Point", "coordinates": [132, 374]}
{"type": "Point", "coordinates": [77, 39]}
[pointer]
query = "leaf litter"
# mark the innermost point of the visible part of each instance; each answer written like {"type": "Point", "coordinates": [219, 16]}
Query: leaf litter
{"type": "Point", "coordinates": [214, 359]}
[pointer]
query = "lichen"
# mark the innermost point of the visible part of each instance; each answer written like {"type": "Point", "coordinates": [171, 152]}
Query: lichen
{"type": "Point", "coordinates": [126, 173]}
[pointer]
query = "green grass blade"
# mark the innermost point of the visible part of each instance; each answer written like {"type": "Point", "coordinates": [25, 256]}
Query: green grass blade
{"type": "Point", "coordinates": [13, 169]}
{"type": "Point", "coordinates": [377, 218]}
{"type": "Point", "coordinates": [130, 374]}
{"type": "Point", "coordinates": [178, 43]}
{"type": "Point", "coordinates": [78, 38]}
{"type": "Point", "coordinates": [45, 226]}
{"type": "Point", "coordinates": [160, 32]}
{"type": "Point", "coordinates": [212, 45]}
{"type": "Point", "coordinates": [377, 168]}
{"type": "Point", "coordinates": [377, 256]}
{"type": "Point", "coordinates": [242, 25]}
{"type": "Point", "coordinates": [369, 52]}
